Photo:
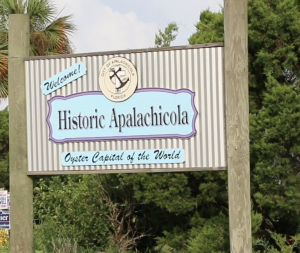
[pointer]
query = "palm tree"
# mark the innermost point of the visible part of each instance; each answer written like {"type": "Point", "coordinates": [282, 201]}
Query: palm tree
{"type": "Point", "coordinates": [49, 34]}
{"type": "Point", "coordinates": [3, 70]}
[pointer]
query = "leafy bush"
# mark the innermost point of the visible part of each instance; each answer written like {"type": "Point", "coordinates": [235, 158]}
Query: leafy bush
{"type": "Point", "coordinates": [67, 207]}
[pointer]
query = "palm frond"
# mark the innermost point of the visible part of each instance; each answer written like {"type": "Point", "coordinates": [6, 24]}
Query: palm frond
{"type": "Point", "coordinates": [3, 70]}
{"type": "Point", "coordinates": [3, 61]}
{"type": "Point", "coordinates": [11, 7]}
{"type": "Point", "coordinates": [41, 13]}
{"type": "Point", "coordinates": [58, 33]}
{"type": "Point", "coordinates": [49, 34]}
{"type": "Point", "coordinates": [3, 88]}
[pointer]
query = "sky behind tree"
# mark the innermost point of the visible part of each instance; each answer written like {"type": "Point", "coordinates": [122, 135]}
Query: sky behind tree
{"type": "Point", "coordinates": [105, 25]}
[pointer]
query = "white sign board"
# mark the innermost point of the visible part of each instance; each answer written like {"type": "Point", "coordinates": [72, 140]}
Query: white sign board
{"type": "Point", "coordinates": [151, 110]}
{"type": "Point", "coordinates": [3, 200]}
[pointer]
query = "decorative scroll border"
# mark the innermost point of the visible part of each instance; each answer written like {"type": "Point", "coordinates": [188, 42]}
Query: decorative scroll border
{"type": "Point", "coordinates": [117, 138]}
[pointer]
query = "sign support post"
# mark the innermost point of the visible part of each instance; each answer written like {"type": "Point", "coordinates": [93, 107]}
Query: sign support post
{"type": "Point", "coordinates": [21, 187]}
{"type": "Point", "coordinates": [237, 123]}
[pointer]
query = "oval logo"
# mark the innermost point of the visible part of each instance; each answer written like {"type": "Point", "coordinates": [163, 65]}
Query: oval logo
{"type": "Point", "coordinates": [118, 79]}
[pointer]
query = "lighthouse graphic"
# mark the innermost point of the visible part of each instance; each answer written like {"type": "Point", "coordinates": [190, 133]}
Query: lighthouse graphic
{"type": "Point", "coordinates": [115, 75]}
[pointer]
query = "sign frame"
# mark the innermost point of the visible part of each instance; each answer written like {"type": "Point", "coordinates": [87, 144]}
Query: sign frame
{"type": "Point", "coordinates": [200, 72]}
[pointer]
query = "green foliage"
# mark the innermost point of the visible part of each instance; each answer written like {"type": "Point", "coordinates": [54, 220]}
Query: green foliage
{"type": "Point", "coordinates": [276, 138]}
{"type": "Point", "coordinates": [286, 245]}
{"type": "Point", "coordinates": [209, 29]}
{"type": "Point", "coordinates": [191, 189]}
{"type": "Point", "coordinates": [4, 147]}
{"type": "Point", "coordinates": [256, 221]}
{"type": "Point", "coordinates": [212, 236]}
{"type": "Point", "coordinates": [172, 241]}
{"type": "Point", "coordinates": [203, 235]}
{"type": "Point", "coordinates": [274, 40]}
{"type": "Point", "coordinates": [4, 249]}
{"type": "Point", "coordinates": [96, 212]}
{"type": "Point", "coordinates": [67, 207]}
{"type": "Point", "coordinates": [263, 246]}
{"type": "Point", "coordinates": [181, 207]}
{"type": "Point", "coordinates": [112, 249]}
{"type": "Point", "coordinates": [164, 38]}
{"type": "Point", "coordinates": [161, 189]}
{"type": "Point", "coordinates": [58, 244]}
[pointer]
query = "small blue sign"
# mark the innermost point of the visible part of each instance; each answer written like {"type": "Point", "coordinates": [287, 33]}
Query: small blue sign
{"type": "Point", "coordinates": [120, 157]}
{"type": "Point", "coordinates": [68, 75]}
{"type": "Point", "coordinates": [4, 220]}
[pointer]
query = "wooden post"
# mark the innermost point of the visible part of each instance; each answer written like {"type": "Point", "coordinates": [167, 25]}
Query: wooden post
{"type": "Point", "coordinates": [21, 187]}
{"type": "Point", "coordinates": [237, 123]}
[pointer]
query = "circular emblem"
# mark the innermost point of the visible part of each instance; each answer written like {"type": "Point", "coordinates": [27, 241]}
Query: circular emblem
{"type": "Point", "coordinates": [118, 79]}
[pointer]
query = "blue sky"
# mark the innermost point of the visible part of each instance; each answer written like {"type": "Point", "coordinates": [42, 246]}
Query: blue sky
{"type": "Point", "coordinates": [105, 25]}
